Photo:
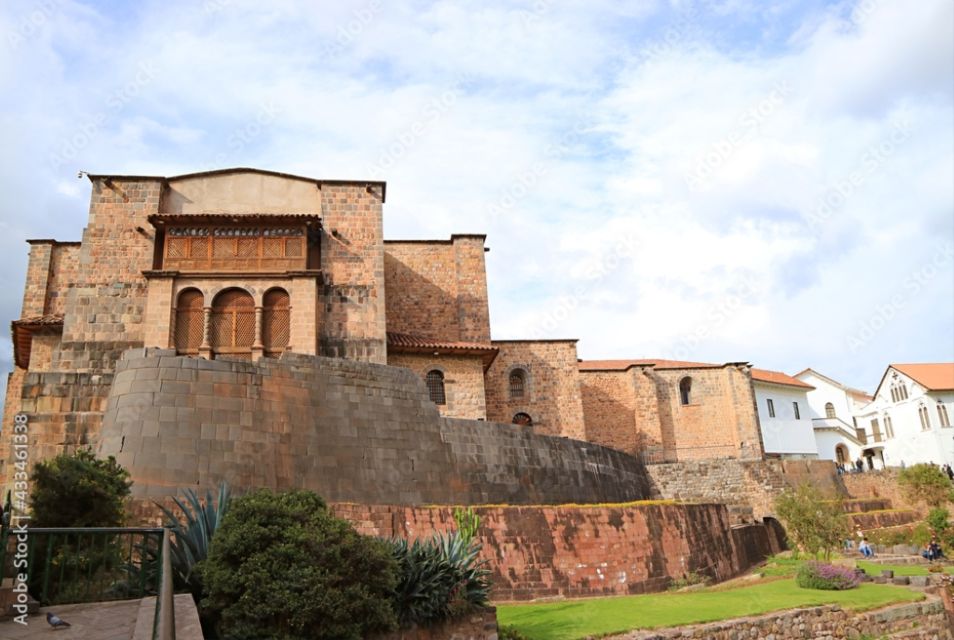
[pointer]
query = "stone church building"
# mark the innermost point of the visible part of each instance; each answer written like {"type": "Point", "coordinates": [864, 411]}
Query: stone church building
{"type": "Point", "coordinates": [245, 264]}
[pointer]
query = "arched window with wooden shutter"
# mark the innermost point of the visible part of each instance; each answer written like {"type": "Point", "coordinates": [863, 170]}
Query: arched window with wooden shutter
{"type": "Point", "coordinates": [276, 322]}
{"type": "Point", "coordinates": [232, 325]}
{"type": "Point", "coordinates": [188, 329]}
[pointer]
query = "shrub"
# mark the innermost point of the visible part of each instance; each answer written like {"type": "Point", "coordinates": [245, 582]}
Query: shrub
{"type": "Point", "coordinates": [939, 521]}
{"type": "Point", "coordinates": [78, 490]}
{"type": "Point", "coordinates": [281, 566]}
{"type": "Point", "coordinates": [510, 632]}
{"type": "Point", "coordinates": [439, 578]}
{"type": "Point", "coordinates": [826, 577]}
{"type": "Point", "coordinates": [925, 482]}
{"type": "Point", "coordinates": [467, 522]}
{"type": "Point", "coordinates": [813, 523]}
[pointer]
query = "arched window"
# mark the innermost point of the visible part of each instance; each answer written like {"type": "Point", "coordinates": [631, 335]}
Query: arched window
{"type": "Point", "coordinates": [942, 415]}
{"type": "Point", "coordinates": [518, 383]}
{"type": "Point", "coordinates": [888, 426]}
{"type": "Point", "coordinates": [829, 410]}
{"type": "Point", "coordinates": [523, 419]}
{"type": "Point", "coordinates": [841, 454]}
{"type": "Point", "coordinates": [435, 387]}
{"type": "Point", "coordinates": [685, 389]}
{"type": "Point", "coordinates": [189, 319]}
{"type": "Point", "coordinates": [925, 418]}
{"type": "Point", "coordinates": [232, 325]}
{"type": "Point", "coordinates": [276, 325]}
{"type": "Point", "coordinates": [899, 390]}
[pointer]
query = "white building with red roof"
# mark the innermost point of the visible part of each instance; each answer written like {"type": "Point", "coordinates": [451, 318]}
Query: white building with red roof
{"type": "Point", "coordinates": [784, 416]}
{"type": "Point", "coordinates": [832, 407]}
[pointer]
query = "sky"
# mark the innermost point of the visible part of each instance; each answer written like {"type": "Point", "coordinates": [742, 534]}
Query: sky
{"type": "Point", "coordinates": [712, 180]}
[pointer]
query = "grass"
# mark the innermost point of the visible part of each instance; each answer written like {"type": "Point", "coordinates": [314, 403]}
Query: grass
{"type": "Point", "coordinates": [573, 619]}
{"type": "Point", "coordinates": [875, 569]}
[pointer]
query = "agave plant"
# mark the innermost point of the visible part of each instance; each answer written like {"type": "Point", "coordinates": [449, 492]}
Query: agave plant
{"type": "Point", "coordinates": [193, 532]}
{"type": "Point", "coordinates": [439, 578]}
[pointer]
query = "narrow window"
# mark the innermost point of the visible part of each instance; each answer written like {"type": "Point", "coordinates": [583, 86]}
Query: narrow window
{"type": "Point", "coordinates": [518, 383]}
{"type": "Point", "coordinates": [925, 418]}
{"type": "Point", "coordinates": [876, 430]}
{"type": "Point", "coordinates": [523, 419]}
{"type": "Point", "coordinates": [685, 389]}
{"type": "Point", "coordinates": [771, 408]}
{"type": "Point", "coordinates": [276, 326]}
{"type": "Point", "coordinates": [888, 426]}
{"type": "Point", "coordinates": [903, 391]}
{"type": "Point", "coordinates": [190, 319]}
{"type": "Point", "coordinates": [942, 415]}
{"type": "Point", "coordinates": [798, 416]}
{"type": "Point", "coordinates": [829, 410]}
{"type": "Point", "coordinates": [435, 387]}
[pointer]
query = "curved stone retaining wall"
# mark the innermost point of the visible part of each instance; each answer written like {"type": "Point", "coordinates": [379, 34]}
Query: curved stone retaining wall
{"type": "Point", "coordinates": [351, 431]}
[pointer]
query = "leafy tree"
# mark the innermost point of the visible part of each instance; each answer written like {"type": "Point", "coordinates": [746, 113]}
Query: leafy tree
{"type": "Point", "coordinates": [282, 567]}
{"type": "Point", "coordinates": [79, 490]}
{"type": "Point", "coordinates": [813, 523]}
{"type": "Point", "coordinates": [926, 482]}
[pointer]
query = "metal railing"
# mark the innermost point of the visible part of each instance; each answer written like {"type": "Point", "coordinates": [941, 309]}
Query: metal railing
{"type": "Point", "coordinates": [77, 565]}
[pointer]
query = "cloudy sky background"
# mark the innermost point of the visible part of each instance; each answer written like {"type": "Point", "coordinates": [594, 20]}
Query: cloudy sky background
{"type": "Point", "coordinates": [712, 180]}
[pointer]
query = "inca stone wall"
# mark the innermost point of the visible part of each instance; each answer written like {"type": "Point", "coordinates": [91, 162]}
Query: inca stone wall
{"type": "Point", "coordinates": [544, 552]}
{"type": "Point", "coordinates": [348, 430]}
{"type": "Point", "coordinates": [552, 386]}
{"type": "Point", "coordinates": [918, 621]}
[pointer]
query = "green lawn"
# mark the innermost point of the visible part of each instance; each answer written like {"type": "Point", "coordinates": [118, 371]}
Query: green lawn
{"type": "Point", "coordinates": [875, 569]}
{"type": "Point", "coordinates": [600, 616]}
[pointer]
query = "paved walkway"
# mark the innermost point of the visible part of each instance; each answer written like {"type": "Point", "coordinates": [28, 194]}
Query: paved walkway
{"type": "Point", "coordinates": [95, 621]}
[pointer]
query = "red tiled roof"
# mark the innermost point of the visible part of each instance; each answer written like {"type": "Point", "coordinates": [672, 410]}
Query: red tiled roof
{"type": "Point", "coordinates": [777, 377]}
{"type": "Point", "coordinates": [23, 330]}
{"type": "Point", "coordinates": [160, 218]}
{"type": "Point", "coordinates": [938, 376]}
{"type": "Point", "coordinates": [413, 343]}
{"type": "Point", "coordinates": [622, 365]}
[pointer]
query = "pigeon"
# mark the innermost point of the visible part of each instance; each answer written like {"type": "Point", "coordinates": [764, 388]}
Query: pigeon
{"type": "Point", "coordinates": [56, 622]}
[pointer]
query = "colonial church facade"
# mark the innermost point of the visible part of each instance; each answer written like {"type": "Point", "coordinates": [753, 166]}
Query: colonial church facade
{"type": "Point", "coordinates": [250, 264]}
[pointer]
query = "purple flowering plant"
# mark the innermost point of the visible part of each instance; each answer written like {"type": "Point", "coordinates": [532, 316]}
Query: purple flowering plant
{"type": "Point", "coordinates": [827, 577]}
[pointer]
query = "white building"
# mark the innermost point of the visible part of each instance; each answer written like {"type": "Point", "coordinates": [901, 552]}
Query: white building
{"type": "Point", "coordinates": [832, 407]}
{"type": "Point", "coordinates": [784, 415]}
{"type": "Point", "coordinates": [911, 414]}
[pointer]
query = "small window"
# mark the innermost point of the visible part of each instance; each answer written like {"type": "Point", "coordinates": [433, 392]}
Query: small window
{"type": "Point", "coordinates": [435, 387]}
{"type": "Point", "coordinates": [518, 383]}
{"type": "Point", "coordinates": [829, 410]}
{"type": "Point", "coordinates": [925, 418]}
{"type": "Point", "coordinates": [523, 419]}
{"type": "Point", "coordinates": [685, 390]}
{"type": "Point", "coordinates": [942, 415]}
{"type": "Point", "coordinates": [771, 407]}
{"type": "Point", "coordinates": [798, 416]}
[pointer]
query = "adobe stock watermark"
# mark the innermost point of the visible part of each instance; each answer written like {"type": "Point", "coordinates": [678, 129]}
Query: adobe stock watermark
{"type": "Point", "coordinates": [622, 251]}
{"type": "Point", "coordinates": [870, 162]}
{"type": "Point", "coordinates": [910, 288]}
{"type": "Point", "coordinates": [346, 33]}
{"type": "Point", "coordinates": [70, 147]}
{"type": "Point", "coordinates": [402, 143]}
{"type": "Point", "coordinates": [31, 24]}
{"type": "Point", "coordinates": [749, 126]}
{"type": "Point", "coordinates": [716, 316]}
{"type": "Point", "coordinates": [18, 518]}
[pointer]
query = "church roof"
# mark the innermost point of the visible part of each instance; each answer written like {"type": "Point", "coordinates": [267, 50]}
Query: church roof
{"type": "Point", "coordinates": [938, 376]}
{"type": "Point", "coordinates": [414, 343]}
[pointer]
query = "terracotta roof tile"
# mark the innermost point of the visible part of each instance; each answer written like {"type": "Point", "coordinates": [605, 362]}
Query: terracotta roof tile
{"type": "Point", "coordinates": [777, 377]}
{"type": "Point", "coordinates": [413, 343]}
{"type": "Point", "coordinates": [622, 365]}
{"type": "Point", "coordinates": [938, 376]}
{"type": "Point", "coordinates": [23, 329]}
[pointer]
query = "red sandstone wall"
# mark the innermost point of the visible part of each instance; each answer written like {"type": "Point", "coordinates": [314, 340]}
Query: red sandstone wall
{"type": "Point", "coordinates": [537, 552]}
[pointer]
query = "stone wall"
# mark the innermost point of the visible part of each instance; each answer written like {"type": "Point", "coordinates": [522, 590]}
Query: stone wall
{"type": "Point", "coordinates": [348, 430]}
{"type": "Point", "coordinates": [571, 551]}
{"type": "Point", "coordinates": [918, 621]}
{"type": "Point", "coordinates": [752, 485]}
{"type": "Point", "coordinates": [438, 288]}
{"type": "Point", "coordinates": [552, 386]}
{"type": "Point", "coordinates": [463, 381]}
{"type": "Point", "coordinates": [477, 625]}
{"type": "Point", "coordinates": [638, 409]}
{"type": "Point", "coordinates": [883, 485]}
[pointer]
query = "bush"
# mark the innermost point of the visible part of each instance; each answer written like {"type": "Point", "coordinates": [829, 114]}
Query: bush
{"type": "Point", "coordinates": [826, 577]}
{"type": "Point", "coordinates": [78, 490]}
{"type": "Point", "coordinates": [939, 521]}
{"type": "Point", "coordinates": [439, 578]}
{"type": "Point", "coordinates": [812, 522]}
{"type": "Point", "coordinates": [925, 482]}
{"type": "Point", "coordinates": [281, 566]}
